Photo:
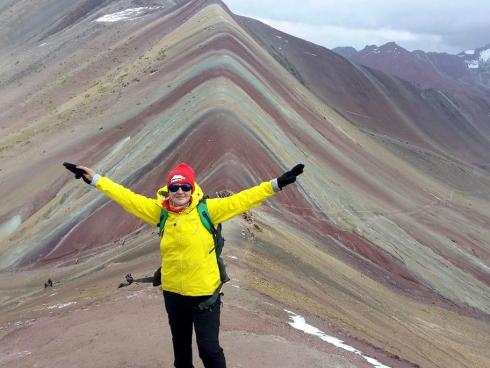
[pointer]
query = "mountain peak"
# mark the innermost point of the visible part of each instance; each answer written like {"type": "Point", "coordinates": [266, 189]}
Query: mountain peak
{"type": "Point", "coordinates": [345, 51]}
{"type": "Point", "coordinates": [390, 45]}
{"type": "Point", "coordinates": [386, 49]}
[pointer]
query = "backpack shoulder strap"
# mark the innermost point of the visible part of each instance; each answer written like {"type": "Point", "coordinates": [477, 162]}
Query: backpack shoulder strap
{"type": "Point", "coordinates": [219, 243]}
{"type": "Point", "coordinates": [202, 209]}
{"type": "Point", "coordinates": [163, 220]}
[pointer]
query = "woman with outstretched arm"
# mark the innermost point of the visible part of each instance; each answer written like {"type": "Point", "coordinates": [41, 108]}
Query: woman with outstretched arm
{"type": "Point", "coordinates": [190, 273]}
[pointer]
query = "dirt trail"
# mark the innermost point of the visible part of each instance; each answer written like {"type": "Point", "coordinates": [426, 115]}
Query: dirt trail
{"type": "Point", "coordinates": [89, 322]}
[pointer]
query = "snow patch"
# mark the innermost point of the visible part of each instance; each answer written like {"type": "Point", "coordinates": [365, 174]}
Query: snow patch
{"type": "Point", "coordinates": [43, 44]}
{"type": "Point", "coordinates": [299, 323]}
{"type": "Point", "coordinates": [473, 64]}
{"type": "Point", "coordinates": [232, 257]}
{"type": "Point", "coordinates": [128, 14]}
{"type": "Point", "coordinates": [22, 354]}
{"type": "Point", "coordinates": [485, 55]}
{"type": "Point", "coordinates": [278, 36]}
{"type": "Point", "coordinates": [17, 324]}
{"type": "Point", "coordinates": [26, 323]}
{"type": "Point", "coordinates": [136, 294]}
{"type": "Point", "coordinates": [236, 286]}
{"type": "Point", "coordinates": [310, 53]}
{"type": "Point", "coordinates": [470, 52]}
{"type": "Point", "coordinates": [59, 306]}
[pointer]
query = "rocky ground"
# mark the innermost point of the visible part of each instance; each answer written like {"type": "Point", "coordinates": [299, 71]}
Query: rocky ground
{"type": "Point", "coordinates": [85, 320]}
{"type": "Point", "coordinates": [92, 323]}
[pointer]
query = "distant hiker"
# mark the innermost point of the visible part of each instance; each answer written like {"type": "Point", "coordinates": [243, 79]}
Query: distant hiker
{"type": "Point", "coordinates": [129, 280]}
{"type": "Point", "coordinates": [48, 283]}
{"type": "Point", "coordinates": [190, 273]}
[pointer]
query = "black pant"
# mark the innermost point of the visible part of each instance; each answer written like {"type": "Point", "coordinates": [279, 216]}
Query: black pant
{"type": "Point", "coordinates": [182, 314]}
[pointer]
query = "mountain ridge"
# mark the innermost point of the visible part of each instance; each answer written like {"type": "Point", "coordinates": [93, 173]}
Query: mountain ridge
{"type": "Point", "coordinates": [453, 73]}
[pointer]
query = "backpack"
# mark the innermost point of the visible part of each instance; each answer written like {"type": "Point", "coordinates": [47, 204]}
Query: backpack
{"type": "Point", "coordinates": [219, 243]}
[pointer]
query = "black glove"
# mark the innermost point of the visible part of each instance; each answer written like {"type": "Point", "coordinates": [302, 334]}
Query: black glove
{"type": "Point", "coordinates": [78, 172]}
{"type": "Point", "coordinates": [290, 176]}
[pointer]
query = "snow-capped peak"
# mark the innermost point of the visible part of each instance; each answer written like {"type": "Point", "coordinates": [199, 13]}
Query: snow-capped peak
{"type": "Point", "coordinates": [485, 55]}
{"type": "Point", "coordinates": [475, 59]}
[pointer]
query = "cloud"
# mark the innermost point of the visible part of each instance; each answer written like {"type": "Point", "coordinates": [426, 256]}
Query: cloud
{"type": "Point", "coordinates": [436, 25]}
{"type": "Point", "coordinates": [333, 36]}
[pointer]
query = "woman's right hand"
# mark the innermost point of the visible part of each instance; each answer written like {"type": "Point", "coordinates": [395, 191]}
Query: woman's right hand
{"type": "Point", "coordinates": [290, 176]}
{"type": "Point", "coordinates": [89, 173]}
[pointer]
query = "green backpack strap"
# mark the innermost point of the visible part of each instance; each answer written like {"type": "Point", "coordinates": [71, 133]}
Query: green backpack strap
{"type": "Point", "coordinates": [202, 209]}
{"type": "Point", "coordinates": [163, 220]}
{"type": "Point", "coordinates": [219, 241]}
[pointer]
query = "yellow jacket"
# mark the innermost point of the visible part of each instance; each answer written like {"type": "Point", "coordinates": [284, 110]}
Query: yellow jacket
{"type": "Point", "coordinates": [187, 266]}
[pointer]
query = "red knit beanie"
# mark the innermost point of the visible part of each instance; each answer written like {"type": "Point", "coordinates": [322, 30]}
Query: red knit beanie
{"type": "Point", "coordinates": [181, 174]}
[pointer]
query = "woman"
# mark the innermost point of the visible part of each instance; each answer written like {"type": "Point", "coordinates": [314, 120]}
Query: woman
{"type": "Point", "coordinates": [190, 272]}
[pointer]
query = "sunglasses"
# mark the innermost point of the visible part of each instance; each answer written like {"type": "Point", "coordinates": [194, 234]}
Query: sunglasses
{"type": "Point", "coordinates": [175, 187]}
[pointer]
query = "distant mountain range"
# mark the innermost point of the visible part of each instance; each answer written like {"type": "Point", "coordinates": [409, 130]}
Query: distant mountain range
{"type": "Point", "coordinates": [468, 70]}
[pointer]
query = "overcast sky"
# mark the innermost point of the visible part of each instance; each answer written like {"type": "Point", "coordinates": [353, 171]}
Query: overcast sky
{"type": "Point", "coordinates": [430, 25]}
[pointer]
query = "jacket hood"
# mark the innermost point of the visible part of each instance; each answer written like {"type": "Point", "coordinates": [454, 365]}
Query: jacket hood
{"type": "Point", "coordinates": [198, 194]}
